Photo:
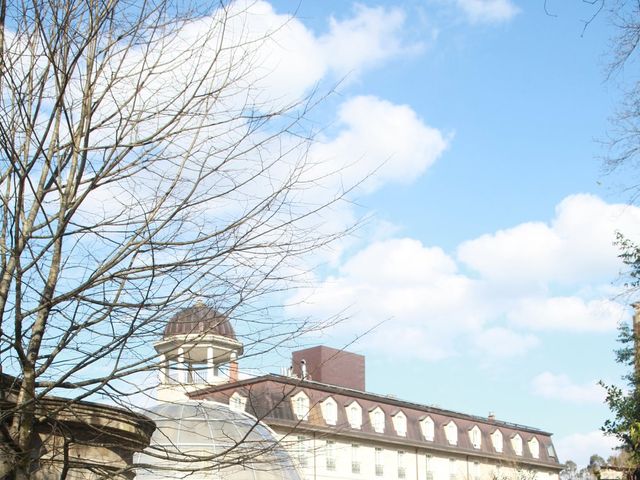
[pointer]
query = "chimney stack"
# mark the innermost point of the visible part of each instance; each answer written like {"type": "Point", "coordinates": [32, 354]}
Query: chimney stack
{"type": "Point", "coordinates": [491, 417]}
{"type": "Point", "coordinates": [329, 365]}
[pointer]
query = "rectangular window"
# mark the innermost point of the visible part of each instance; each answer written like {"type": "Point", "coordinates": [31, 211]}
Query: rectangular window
{"type": "Point", "coordinates": [355, 458]}
{"type": "Point", "coordinates": [402, 471]}
{"type": "Point", "coordinates": [330, 455]}
{"type": "Point", "coordinates": [301, 451]}
{"type": "Point", "coordinates": [379, 463]}
{"type": "Point", "coordinates": [428, 467]}
{"type": "Point", "coordinates": [452, 469]}
{"type": "Point", "coordinates": [475, 472]}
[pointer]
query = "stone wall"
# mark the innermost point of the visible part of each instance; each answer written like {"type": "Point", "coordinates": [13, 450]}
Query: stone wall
{"type": "Point", "coordinates": [83, 440]}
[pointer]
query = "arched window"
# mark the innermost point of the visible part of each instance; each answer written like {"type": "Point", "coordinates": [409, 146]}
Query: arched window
{"type": "Point", "coordinates": [377, 420]}
{"type": "Point", "coordinates": [475, 436]}
{"type": "Point", "coordinates": [330, 411]}
{"type": "Point", "coordinates": [237, 402]}
{"type": "Point", "coordinates": [354, 415]}
{"type": "Point", "coordinates": [534, 447]}
{"type": "Point", "coordinates": [400, 424]}
{"type": "Point", "coordinates": [300, 404]}
{"type": "Point", "coordinates": [516, 443]}
{"type": "Point", "coordinates": [451, 432]}
{"type": "Point", "coordinates": [496, 439]}
{"type": "Point", "coordinates": [428, 429]}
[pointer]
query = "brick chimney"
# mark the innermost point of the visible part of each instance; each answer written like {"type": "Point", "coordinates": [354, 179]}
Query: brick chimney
{"type": "Point", "coordinates": [332, 366]}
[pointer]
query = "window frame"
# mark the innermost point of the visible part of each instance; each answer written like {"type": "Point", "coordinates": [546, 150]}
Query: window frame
{"type": "Point", "coordinates": [399, 421]}
{"type": "Point", "coordinates": [329, 409]}
{"type": "Point", "coordinates": [534, 447]}
{"type": "Point", "coordinates": [378, 420]}
{"type": "Point", "coordinates": [330, 455]}
{"type": "Point", "coordinates": [428, 428]}
{"type": "Point", "coordinates": [497, 438]}
{"type": "Point", "coordinates": [451, 433]}
{"type": "Point", "coordinates": [355, 459]}
{"type": "Point", "coordinates": [301, 405]}
{"type": "Point", "coordinates": [402, 468]}
{"type": "Point", "coordinates": [475, 435]}
{"type": "Point", "coordinates": [379, 462]}
{"type": "Point", "coordinates": [354, 415]}
{"type": "Point", "coordinates": [516, 444]}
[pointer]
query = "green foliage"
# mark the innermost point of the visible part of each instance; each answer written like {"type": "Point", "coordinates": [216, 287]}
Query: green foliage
{"type": "Point", "coordinates": [630, 256]}
{"type": "Point", "coordinates": [625, 425]}
{"type": "Point", "coordinates": [625, 403]}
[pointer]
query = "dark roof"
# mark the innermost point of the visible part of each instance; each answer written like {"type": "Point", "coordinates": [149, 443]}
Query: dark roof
{"type": "Point", "coordinates": [360, 395]}
{"type": "Point", "coordinates": [268, 400]}
{"type": "Point", "coordinates": [199, 320]}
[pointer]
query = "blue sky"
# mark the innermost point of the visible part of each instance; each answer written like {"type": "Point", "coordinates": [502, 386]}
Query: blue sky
{"type": "Point", "coordinates": [469, 134]}
{"type": "Point", "coordinates": [488, 252]}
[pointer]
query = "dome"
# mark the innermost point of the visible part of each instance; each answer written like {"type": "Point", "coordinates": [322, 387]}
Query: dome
{"type": "Point", "coordinates": [207, 440]}
{"type": "Point", "coordinates": [199, 319]}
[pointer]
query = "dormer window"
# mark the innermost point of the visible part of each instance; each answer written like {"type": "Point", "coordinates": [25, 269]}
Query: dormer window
{"type": "Point", "coordinates": [428, 429]}
{"type": "Point", "coordinates": [451, 433]}
{"type": "Point", "coordinates": [377, 420]}
{"type": "Point", "coordinates": [516, 444]}
{"type": "Point", "coordinates": [551, 451]}
{"type": "Point", "coordinates": [400, 424]}
{"type": "Point", "coordinates": [300, 404]}
{"type": "Point", "coordinates": [475, 436]}
{"type": "Point", "coordinates": [330, 411]}
{"type": "Point", "coordinates": [354, 415]}
{"type": "Point", "coordinates": [496, 439]}
{"type": "Point", "coordinates": [534, 447]}
{"type": "Point", "coordinates": [237, 402]}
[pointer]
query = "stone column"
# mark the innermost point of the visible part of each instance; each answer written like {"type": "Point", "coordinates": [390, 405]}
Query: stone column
{"type": "Point", "coordinates": [233, 367]}
{"type": "Point", "coordinates": [211, 368]}
{"type": "Point", "coordinates": [164, 370]}
{"type": "Point", "coordinates": [182, 368]}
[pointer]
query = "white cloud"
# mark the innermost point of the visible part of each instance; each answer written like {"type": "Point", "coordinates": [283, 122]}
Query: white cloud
{"type": "Point", "coordinates": [386, 141]}
{"type": "Point", "coordinates": [266, 60]}
{"type": "Point", "coordinates": [488, 11]}
{"type": "Point", "coordinates": [290, 58]}
{"type": "Point", "coordinates": [422, 294]}
{"type": "Point", "coordinates": [500, 342]}
{"type": "Point", "coordinates": [413, 289]}
{"type": "Point", "coordinates": [567, 313]}
{"type": "Point", "coordinates": [576, 247]}
{"type": "Point", "coordinates": [364, 40]}
{"type": "Point", "coordinates": [580, 446]}
{"type": "Point", "coordinates": [561, 387]}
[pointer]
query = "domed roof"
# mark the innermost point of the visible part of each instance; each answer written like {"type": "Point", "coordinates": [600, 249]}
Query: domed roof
{"type": "Point", "coordinates": [200, 320]}
{"type": "Point", "coordinates": [207, 440]}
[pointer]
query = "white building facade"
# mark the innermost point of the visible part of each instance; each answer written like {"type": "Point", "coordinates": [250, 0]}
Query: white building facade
{"type": "Point", "coordinates": [334, 429]}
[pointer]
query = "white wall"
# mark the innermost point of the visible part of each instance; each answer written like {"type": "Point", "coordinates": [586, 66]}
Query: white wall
{"type": "Point", "coordinates": [315, 457]}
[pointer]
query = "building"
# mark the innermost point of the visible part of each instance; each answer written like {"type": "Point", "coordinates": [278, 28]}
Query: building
{"type": "Point", "coordinates": [332, 427]}
{"type": "Point", "coordinates": [203, 440]}
{"type": "Point", "coordinates": [75, 440]}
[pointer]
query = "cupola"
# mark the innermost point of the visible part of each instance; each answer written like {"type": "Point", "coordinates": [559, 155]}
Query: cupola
{"type": "Point", "coordinates": [198, 348]}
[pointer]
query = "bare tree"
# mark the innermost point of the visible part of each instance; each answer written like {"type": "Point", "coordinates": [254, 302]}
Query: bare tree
{"type": "Point", "coordinates": [142, 167]}
{"type": "Point", "coordinates": [623, 140]}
